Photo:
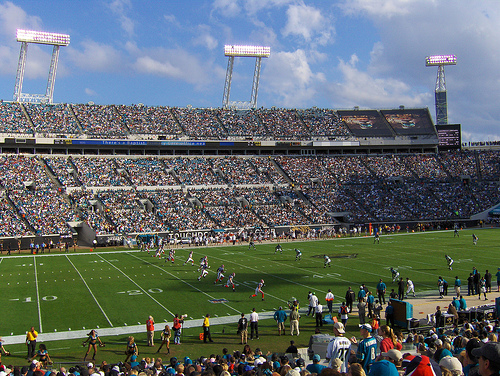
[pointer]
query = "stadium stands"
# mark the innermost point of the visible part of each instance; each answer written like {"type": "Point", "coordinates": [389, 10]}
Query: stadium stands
{"type": "Point", "coordinates": [47, 194]}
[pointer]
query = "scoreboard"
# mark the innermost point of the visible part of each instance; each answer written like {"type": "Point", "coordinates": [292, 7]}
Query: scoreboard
{"type": "Point", "coordinates": [450, 136]}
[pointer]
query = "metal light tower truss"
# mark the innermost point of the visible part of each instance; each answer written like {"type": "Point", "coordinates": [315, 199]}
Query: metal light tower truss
{"type": "Point", "coordinates": [440, 94]}
{"type": "Point", "coordinates": [38, 37]}
{"type": "Point", "coordinates": [243, 51]}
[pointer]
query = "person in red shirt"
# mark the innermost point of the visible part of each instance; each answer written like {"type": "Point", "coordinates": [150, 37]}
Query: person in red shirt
{"type": "Point", "coordinates": [389, 340]}
{"type": "Point", "coordinates": [150, 327]}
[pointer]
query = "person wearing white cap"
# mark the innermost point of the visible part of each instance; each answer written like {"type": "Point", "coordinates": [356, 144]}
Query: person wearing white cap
{"type": "Point", "coordinates": [394, 356]}
{"type": "Point", "coordinates": [453, 364]}
{"type": "Point", "coordinates": [339, 347]}
{"type": "Point", "coordinates": [367, 348]}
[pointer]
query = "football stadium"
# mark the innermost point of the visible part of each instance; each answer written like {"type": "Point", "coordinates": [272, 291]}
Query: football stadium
{"type": "Point", "coordinates": [113, 215]}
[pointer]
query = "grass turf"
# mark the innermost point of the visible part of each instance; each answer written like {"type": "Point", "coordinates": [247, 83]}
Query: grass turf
{"type": "Point", "coordinates": [113, 287]}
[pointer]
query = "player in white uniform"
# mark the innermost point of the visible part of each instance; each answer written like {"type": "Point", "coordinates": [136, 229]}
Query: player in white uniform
{"type": "Point", "coordinates": [171, 256]}
{"type": "Point", "coordinates": [410, 287]}
{"type": "Point", "coordinates": [298, 254]}
{"type": "Point", "coordinates": [159, 250]}
{"type": "Point", "coordinates": [190, 258]}
{"type": "Point", "coordinates": [258, 289]}
{"type": "Point", "coordinates": [395, 274]}
{"type": "Point", "coordinates": [150, 245]}
{"type": "Point", "coordinates": [230, 281]}
{"type": "Point", "coordinates": [203, 262]}
{"type": "Point", "coordinates": [339, 347]}
{"type": "Point", "coordinates": [450, 261]}
{"type": "Point", "coordinates": [204, 271]}
{"type": "Point", "coordinates": [474, 239]}
{"type": "Point", "coordinates": [220, 274]}
{"type": "Point", "coordinates": [327, 262]}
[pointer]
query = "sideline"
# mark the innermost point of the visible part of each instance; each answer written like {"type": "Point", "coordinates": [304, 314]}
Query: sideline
{"type": "Point", "coordinates": [105, 332]}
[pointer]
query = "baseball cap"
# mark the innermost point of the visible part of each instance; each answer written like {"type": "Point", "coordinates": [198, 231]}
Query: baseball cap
{"type": "Point", "coordinates": [451, 363]}
{"type": "Point", "coordinates": [336, 364]}
{"type": "Point", "coordinates": [365, 326]}
{"type": "Point", "coordinates": [394, 354]}
{"type": "Point", "coordinates": [472, 344]}
{"type": "Point", "coordinates": [490, 351]}
{"type": "Point", "coordinates": [340, 327]}
{"type": "Point", "coordinates": [383, 368]}
{"type": "Point", "coordinates": [316, 358]}
{"type": "Point", "coordinates": [293, 372]}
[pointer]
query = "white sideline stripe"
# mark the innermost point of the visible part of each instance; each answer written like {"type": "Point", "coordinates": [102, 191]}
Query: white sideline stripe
{"type": "Point", "coordinates": [187, 283]}
{"type": "Point", "coordinates": [122, 330]}
{"type": "Point", "coordinates": [37, 295]}
{"type": "Point", "coordinates": [91, 293]}
{"type": "Point", "coordinates": [131, 280]}
{"type": "Point", "coordinates": [69, 254]}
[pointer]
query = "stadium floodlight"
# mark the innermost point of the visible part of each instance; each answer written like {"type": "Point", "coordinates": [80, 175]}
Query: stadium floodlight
{"type": "Point", "coordinates": [247, 51]}
{"type": "Point", "coordinates": [39, 37]}
{"type": "Point", "coordinates": [42, 37]}
{"type": "Point", "coordinates": [440, 93]}
{"type": "Point", "coordinates": [436, 60]}
{"type": "Point", "coordinates": [232, 51]}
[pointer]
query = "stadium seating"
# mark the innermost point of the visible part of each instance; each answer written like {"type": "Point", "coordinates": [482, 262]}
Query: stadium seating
{"type": "Point", "coordinates": [131, 194]}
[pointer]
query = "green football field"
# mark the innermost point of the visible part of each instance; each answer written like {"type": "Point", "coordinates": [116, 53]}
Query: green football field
{"type": "Point", "coordinates": [110, 289]}
{"type": "Point", "coordinates": [107, 289]}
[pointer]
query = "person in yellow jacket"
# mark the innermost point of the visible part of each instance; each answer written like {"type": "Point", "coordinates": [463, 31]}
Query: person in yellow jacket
{"type": "Point", "coordinates": [206, 329]}
{"type": "Point", "coordinates": [31, 337]}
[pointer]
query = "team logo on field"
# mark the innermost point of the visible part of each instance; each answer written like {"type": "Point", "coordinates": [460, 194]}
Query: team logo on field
{"type": "Point", "coordinates": [219, 301]}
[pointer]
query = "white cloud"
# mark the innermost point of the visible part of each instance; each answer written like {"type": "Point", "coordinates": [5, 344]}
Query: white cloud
{"type": "Point", "coordinates": [412, 29]}
{"type": "Point", "coordinates": [96, 57]}
{"type": "Point", "coordinates": [13, 17]}
{"type": "Point", "coordinates": [205, 38]}
{"type": "Point", "coordinates": [380, 8]}
{"type": "Point", "coordinates": [254, 6]}
{"type": "Point", "coordinates": [175, 63]}
{"type": "Point", "coordinates": [233, 8]}
{"type": "Point", "coordinates": [8, 60]}
{"type": "Point", "coordinates": [90, 92]}
{"type": "Point", "coordinates": [310, 23]}
{"type": "Point", "coordinates": [289, 76]}
{"type": "Point", "coordinates": [228, 8]}
{"type": "Point", "coordinates": [171, 19]}
{"type": "Point", "coordinates": [358, 88]}
{"type": "Point", "coordinates": [120, 9]}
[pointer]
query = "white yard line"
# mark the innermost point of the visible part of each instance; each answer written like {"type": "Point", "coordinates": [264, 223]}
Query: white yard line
{"type": "Point", "coordinates": [91, 293]}
{"type": "Point", "coordinates": [37, 296]}
{"type": "Point", "coordinates": [135, 283]}
{"type": "Point", "coordinates": [187, 283]}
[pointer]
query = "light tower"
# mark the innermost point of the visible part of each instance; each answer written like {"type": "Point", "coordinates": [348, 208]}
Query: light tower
{"type": "Point", "coordinates": [243, 51]}
{"type": "Point", "coordinates": [39, 37]}
{"type": "Point", "coordinates": [440, 97]}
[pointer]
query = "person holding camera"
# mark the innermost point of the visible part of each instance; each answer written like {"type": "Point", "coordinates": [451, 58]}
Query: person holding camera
{"type": "Point", "coordinates": [177, 327]}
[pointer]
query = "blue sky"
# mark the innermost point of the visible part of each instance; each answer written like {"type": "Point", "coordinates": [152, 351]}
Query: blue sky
{"type": "Point", "coordinates": [333, 54]}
